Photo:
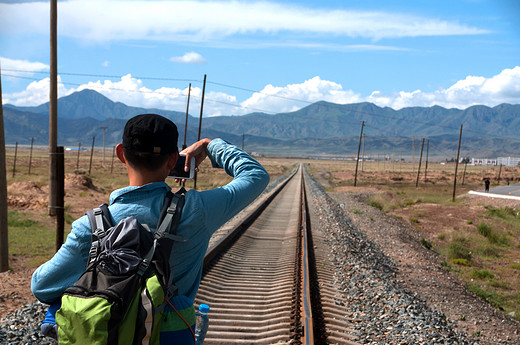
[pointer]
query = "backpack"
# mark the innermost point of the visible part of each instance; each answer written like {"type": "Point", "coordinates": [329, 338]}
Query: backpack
{"type": "Point", "coordinates": [121, 296]}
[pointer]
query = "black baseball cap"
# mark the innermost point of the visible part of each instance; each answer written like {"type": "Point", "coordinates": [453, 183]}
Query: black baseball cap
{"type": "Point", "coordinates": [150, 133]}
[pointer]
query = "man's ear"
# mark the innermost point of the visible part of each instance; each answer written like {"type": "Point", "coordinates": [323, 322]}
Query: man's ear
{"type": "Point", "coordinates": [120, 153]}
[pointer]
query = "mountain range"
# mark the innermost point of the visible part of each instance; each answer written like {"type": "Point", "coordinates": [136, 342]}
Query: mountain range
{"type": "Point", "coordinates": [321, 128]}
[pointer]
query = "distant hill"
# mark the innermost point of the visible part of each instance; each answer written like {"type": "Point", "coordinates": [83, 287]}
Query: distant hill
{"type": "Point", "coordinates": [320, 128]}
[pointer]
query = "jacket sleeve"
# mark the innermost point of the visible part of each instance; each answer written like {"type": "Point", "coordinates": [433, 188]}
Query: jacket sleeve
{"type": "Point", "coordinates": [249, 180]}
{"type": "Point", "coordinates": [50, 280]}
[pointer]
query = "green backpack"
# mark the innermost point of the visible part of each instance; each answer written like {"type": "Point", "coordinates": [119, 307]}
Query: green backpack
{"type": "Point", "coordinates": [121, 296]}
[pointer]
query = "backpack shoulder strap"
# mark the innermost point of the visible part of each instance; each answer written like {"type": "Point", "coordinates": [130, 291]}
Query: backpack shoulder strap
{"type": "Point", "coordinates": [100, 222]}
{"type": "Point", "coordinates": [170, 216]}
{"type": "Point", "coordinates": [99, 218]}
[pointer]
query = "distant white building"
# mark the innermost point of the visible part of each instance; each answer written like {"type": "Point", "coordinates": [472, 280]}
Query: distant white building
{"type": "Point", "coordinates": [508, 161]}
{"type": "Point", "coordinates": [483, 161]}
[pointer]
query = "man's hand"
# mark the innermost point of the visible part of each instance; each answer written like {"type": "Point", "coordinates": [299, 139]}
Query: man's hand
{"type": "Point", "coordinates": [197, 150]}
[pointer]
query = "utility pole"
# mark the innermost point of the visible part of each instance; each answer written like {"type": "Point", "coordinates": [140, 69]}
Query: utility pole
{"type": "Point", "coordinates": [57, 155]}
{"type": "Point", "coordinates": [420, 161]}
{"type": "Point", "coordinates": [104, 130]}
{"type": "Point", "coordinates": [4, 240]}
{"type": "Point", "coordinates": [53, 108]}
{"type": "Point", "coordinates": [359, 149]}
{"type": "Point", "coordinates": [186, 122]}
{"type": "Point", "coordinates": [457, 166]}
{"type": "Point", "coordinates": [201, 107]}
{"type": "Point", "coordinates": [200, 125]}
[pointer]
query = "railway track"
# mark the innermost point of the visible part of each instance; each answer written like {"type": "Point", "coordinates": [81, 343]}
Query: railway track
{"type": "Point", "coordinates": [269, 281]}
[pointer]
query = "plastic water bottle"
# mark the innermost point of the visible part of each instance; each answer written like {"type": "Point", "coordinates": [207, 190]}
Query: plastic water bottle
{"type": "Point", "coordinates": [201, 325]}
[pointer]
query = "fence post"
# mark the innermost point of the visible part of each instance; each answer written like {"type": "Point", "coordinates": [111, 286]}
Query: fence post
{"type": "Point", "coordinates": [30, 156]}
{"type": "Point", "coordinates": [77, 160]}
{"type": "Point", "coordinates": [15, 153]}
{"type": "Point", "coordinates": [113, 154]}
{"type": "Point", "coordinates": [59, 208]}
{"type": "Point", "coordinates": [91, 154]}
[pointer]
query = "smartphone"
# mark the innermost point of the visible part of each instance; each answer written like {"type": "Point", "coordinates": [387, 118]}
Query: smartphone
{"type": "Point", "coordinates": [178, 170]}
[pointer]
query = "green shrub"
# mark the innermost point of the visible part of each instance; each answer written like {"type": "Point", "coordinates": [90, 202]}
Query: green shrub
{"type": "Point", "coordinates": [484, 229]}
{"type": "Point", "coordinates": [413, 220]}
{"type": "Point", "coordinates": [408, 202]}
{"type": "Point", "coordinates": [492, 235]}
{"type": "Point", "coordinates": [459, 249]}
{"type": "Point", "coordinates": [426, 244]}
{"type": "Point", "coordinates": [490, 251]}
{"type": "Point", "coordinates": [460, 262]}
{"type": "Point", "coordinates": [504, 212]}
{"type": "Point", "coordinates": [482, 274]}
{"type": "Point", "coordinates": [375, 204]}
{"type": "Point", "coordinates": [515, 267]}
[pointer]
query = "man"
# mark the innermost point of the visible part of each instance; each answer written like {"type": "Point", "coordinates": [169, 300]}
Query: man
{"type": "Point", "coordinates": [149, 151]}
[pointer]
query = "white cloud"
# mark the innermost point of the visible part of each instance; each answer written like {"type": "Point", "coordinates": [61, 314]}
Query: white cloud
{"type": "Point", "coordinates": [21, 67]}
{"type": "Point", "coordinates": [106, 63]}
{"type": "Point", "coordinates": [36, 93]}
{"type": "Point", "coordinates": [501, 88]}
{"type": "Point", "coordinates": [189, 58]}
{"type": "Point", "coordinates": [473, 90]}
{"type": "Point", "coordinates": [210, 21]}
{"type": "Point", "coordinates": [295, 96]}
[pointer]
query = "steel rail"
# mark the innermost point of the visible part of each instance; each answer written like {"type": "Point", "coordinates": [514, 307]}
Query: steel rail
{"type": "Point", "coordinates": [307, 320]}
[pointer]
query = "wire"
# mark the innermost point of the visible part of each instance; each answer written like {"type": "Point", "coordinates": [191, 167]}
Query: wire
{"type": "Point", "coordinates": [103, 75]}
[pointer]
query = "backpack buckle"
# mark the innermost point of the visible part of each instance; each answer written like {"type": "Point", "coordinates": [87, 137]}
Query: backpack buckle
{"type": "Point", "coordinates": [99, 233]}
{"type": "Point", "coordinates": [93, 251]}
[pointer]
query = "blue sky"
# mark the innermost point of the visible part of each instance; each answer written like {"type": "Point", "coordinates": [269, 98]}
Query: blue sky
{"type": "Point", "coordinates": [270, 56]}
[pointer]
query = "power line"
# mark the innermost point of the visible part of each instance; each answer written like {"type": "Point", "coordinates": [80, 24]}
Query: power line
{"type": "Point", "coordinates": [103, 76]}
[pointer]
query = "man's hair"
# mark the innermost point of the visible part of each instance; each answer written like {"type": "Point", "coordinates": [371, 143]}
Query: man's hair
{"type": "Point", "coordinates": [145, 160]}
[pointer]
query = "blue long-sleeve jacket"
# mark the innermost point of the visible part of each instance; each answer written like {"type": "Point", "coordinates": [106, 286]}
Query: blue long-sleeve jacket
{"type": "Point", "coordinates": [203, 213]}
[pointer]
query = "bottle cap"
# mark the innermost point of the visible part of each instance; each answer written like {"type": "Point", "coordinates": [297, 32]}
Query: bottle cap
{"type": "Point", "coordinates": [204, 308]}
